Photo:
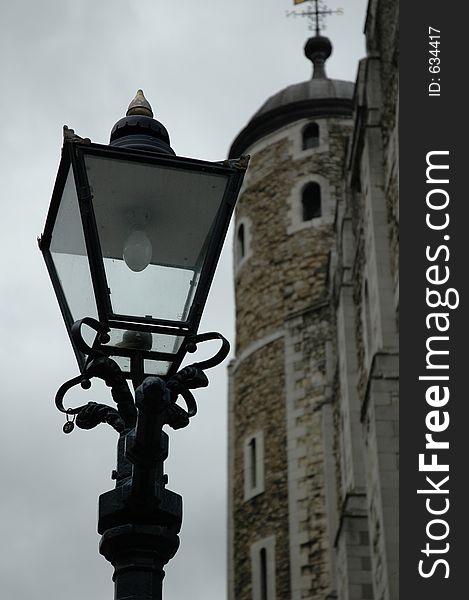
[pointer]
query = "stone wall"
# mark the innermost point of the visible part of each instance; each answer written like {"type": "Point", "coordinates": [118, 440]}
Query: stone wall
{"type": "Point", "coordinates": [366, 393]}
{"type": "Point", "coordinates": [316, 349]}
{"type": "Point", "coordinates": [258, 392]}
{"type": "Point", "coordinates": [306, 338]}
{"type": "Point", "coordinates": [285, 272]}
{"type": "Point", "coordinates": [382, 33]}
{"type": "Point", "coordinates": [278, 381]}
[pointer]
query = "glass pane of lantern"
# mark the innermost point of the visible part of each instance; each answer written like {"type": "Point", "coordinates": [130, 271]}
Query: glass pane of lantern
{"type": "Point", "coordinates": [123, 362]}
{"type": "Point", "coordinates": [156, 367]}
{"type": "Point", "coordinates": [155, 342]}
{"type": "Point", "coordinates": [153, 224]}
{"type": "Point", "coordinates": [69, 256]}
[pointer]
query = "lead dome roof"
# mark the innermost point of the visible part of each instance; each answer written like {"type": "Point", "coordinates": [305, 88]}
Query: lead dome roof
{"type": "Point", "coordinates": [318, 97]}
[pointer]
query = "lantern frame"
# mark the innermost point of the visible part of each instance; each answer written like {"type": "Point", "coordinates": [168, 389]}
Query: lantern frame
{"type": "Point", "coordinates": [74, 152]}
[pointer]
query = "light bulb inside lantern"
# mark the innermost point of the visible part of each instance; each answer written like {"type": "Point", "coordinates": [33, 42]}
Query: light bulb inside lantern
{"type": "Point", "coordinates": [137, 250]}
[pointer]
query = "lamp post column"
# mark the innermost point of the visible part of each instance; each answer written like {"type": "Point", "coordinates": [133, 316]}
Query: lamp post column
{"type": "Point", "coordinates": [140, 519]}
{"type": "Point", "coordinates": [138, 554]}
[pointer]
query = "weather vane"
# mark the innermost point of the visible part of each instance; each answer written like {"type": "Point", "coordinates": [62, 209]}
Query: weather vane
{"type": "Point", "coordinates": [316, 12]}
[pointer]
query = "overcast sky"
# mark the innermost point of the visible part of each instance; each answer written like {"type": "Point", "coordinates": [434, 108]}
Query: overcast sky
{"type": "Point", "coordinates": [205, 67]}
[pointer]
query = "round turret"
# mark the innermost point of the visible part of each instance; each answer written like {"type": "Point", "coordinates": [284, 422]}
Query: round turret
{"type": "Point", "coordinates": [284, 235]}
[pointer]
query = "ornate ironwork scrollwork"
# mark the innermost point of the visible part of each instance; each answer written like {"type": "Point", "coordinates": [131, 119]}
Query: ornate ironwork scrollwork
{"type": "Point", "coordinates": [124, 417]}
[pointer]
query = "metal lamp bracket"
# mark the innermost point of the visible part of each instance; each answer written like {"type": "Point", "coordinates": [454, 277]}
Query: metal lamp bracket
{"type": "Point", "coordinates": [98, 365]}
{"type": "Point", "coordinates": [219, 356]}
{"type": "Point", "coordinates": [102, 336]}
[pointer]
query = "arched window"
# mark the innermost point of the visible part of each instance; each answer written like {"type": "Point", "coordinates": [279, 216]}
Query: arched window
{"type": "Point", "coordinates": [311, 201]}
{"type": "Point", "coordinates": [263, 569]}
{"type": "Point", "coordinates": [367, 323]}
{"type": "Point", "coordinates": [253, 465]}
{"type": "Point", "coordinates": [311, 136]}
{"type": "Point", "coordinates": [263, 575]}
{"type": "Point", "coordinates": [241, 243]}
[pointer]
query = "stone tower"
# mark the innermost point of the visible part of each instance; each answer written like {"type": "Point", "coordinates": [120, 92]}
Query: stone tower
{"type": "Point", "coordinates": [281, 469]}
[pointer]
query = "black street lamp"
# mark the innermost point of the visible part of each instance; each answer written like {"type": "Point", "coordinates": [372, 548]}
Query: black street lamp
{"type": "Point", "coordinates": [131, 243]}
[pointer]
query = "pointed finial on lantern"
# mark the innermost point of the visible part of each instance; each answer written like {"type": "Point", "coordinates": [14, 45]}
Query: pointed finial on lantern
{"type": "Point", "coordinates": [139, 106]}
{"type": "Point", "coordinates": [139, 130]}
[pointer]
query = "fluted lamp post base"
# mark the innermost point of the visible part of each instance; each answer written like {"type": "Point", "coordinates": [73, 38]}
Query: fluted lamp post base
{"type": "Point", "coordinates": [138, 554]}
